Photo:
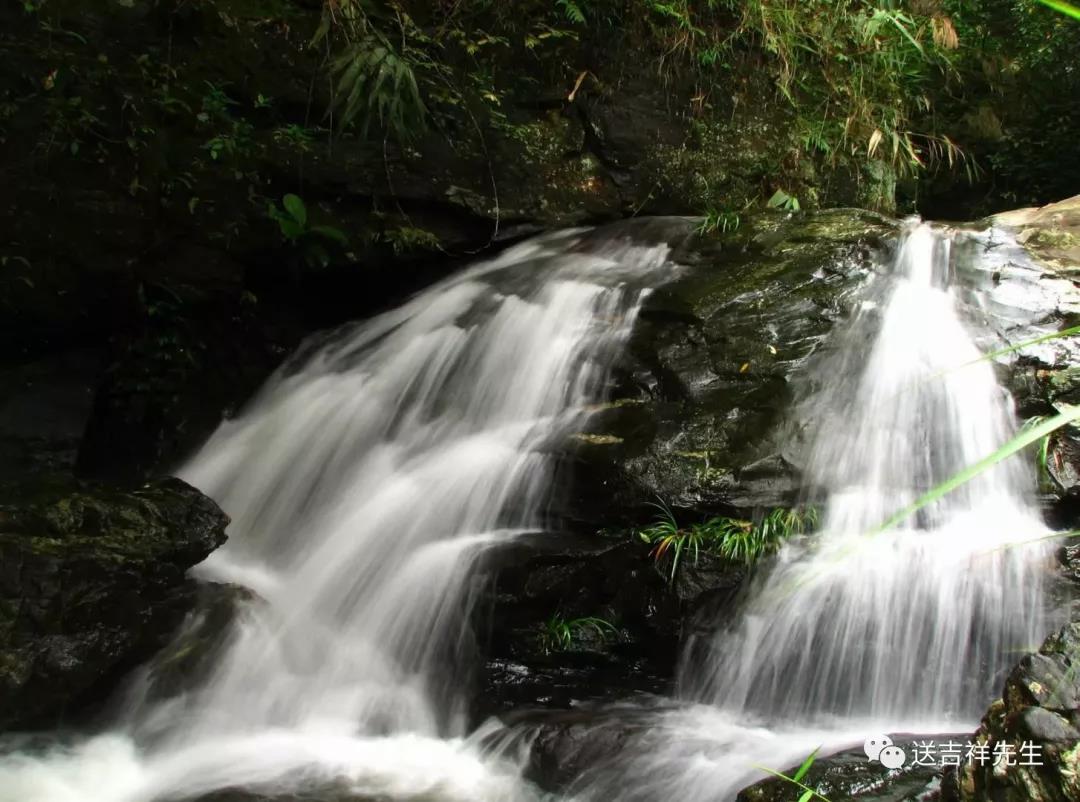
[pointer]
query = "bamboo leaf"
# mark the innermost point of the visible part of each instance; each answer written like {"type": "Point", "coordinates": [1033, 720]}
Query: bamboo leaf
{"type": "Point", "coordinates": [805, 767]}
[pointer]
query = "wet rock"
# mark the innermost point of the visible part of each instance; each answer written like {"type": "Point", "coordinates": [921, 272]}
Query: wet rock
{"type": "Point", "coordinates": [189, 656]}
{"type": "Point", "coordinates": [849, 775]}
{"type": "Point", "coordinates": [92, 582]}
{"type": "Point", "coordinates": [541, 582]}
{"type": "Point", "coordinates": [696, 411]}
{"type": "Point", "coordinates": [1037, 724]}
{"type": "Point", "coordinates": [1038, 275]}
{"type": "Point", "coordinates": [566, 745]}
{"type": "Point", "coordinates": [1051, 233]}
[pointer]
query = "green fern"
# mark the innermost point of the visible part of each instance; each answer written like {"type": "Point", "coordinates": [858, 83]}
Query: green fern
{"type": "Point", "coordinates": [373, 82]}
{"type": "Point", "coordinates": [572, 11]}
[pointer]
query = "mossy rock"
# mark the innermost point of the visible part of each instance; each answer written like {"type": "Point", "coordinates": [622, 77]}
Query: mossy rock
{"type": "Point", "coordinates": [92, 582]}
{"type": "Point", "coordinates": [702, 393]}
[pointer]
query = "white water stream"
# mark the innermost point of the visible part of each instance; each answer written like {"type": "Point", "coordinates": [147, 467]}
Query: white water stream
{"type": "Point", "coordinates": [365, 482]}
{"type": "Point", "coordinates": [857, 632]}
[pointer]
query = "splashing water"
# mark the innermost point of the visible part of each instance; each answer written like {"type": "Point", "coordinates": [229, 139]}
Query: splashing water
{"type": "Point", "coordinates": [363, 485]}
{"type": "Point", "coordinates": [856, 631]}
{"type": "Point", "coordinates": [370, 476]}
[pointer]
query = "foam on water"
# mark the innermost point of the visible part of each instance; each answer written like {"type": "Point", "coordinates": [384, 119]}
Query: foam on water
{"type": "Point", "coordinates": [364, 483]}
{"type": "Point", "coordinates": [370, 476]}
{"type": "Point", "coordinates": [856, 631]}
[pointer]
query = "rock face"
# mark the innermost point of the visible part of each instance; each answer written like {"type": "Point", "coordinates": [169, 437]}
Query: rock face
{"type": "Point", "coordinates": [1040, 706]}
{"type": "Point", "coordinates": [92, 582]}
{"type": "Point", "coordinates": [696, 412]}
{"type": "Point", "coordinates": [565, 745]}
{"type": "Point", "coordinates": [541, 581]}
{"type": "Point", "coordinates": [1045, 377]}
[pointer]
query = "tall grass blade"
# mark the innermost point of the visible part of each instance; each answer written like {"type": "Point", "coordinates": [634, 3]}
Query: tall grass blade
{"type": "Point", "coordinates": [1022, 440]}
{"type": "Point", "coordinates": [1068, 9]}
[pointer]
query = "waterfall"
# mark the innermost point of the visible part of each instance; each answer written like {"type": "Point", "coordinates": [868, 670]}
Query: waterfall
{"type": "Point", "coordinates": [855, 631]}
{"type": "Point", "coordinates": [364, 482]}
{"type": "Point", "coordinates": [921, 619]}
{"type": "Point", "coordinates": [371, 474]}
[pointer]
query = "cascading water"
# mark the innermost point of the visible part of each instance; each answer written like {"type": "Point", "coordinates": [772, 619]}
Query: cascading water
{"type": "Point", "coordinates": [857, 631]}
{"type": "Point", "coordinates": [920, 619]}
{"type": "Point", "coordinates": [362, 485]}
{"type": "Point", "coordinates": [366, 480]}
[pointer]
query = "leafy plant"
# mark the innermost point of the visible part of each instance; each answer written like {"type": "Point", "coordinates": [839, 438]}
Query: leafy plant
{"type": "Point", "coordinates": [666, 536]}
{"type": "Point", "coordinates": [782, 200]}
{"type": "Point", "coordinates": [561, 634]}
{"type": "Point", "coordinates": [235, 143]}
{"type": "Point", "coordinates": [294, 136]}
{"type": "Point", "coordinates": [1042, 451]}
{"type": "Point", "coordinates": [215, 102]}
{"type": "Point", "coordinates": [730, 538]}
{"type": "Point", "coordinates": [373, 81]}
{"type": "Point", "coordinates": [292, 220]}
{"type": "Point", "coordinates": [407, 239]}
{"type": "Point", "coordinates": [375, 76]}
{"type": "Point", "coordinates": [572, 11]}
{"type": "Point", "coordinates": [724, 221]}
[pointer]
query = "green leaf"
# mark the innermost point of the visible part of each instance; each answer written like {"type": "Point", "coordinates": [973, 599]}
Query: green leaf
{"type": "Point", "coordinates": [778, 199]}
{"type": "Point", "coordinates": [806, 796]}
{"type": "Point", "coordinates": [295, 207]}
{"type": "Point", "coordinates": [1068, 9]}
{"type": "Point", "coordinates": [1022, 440]}
{"type": "Point", "coordinates": [805, 767]}
{"type": "Point", "coordinates": [290, 229]}
{"type": "Point", "coordinates": [330, 232]}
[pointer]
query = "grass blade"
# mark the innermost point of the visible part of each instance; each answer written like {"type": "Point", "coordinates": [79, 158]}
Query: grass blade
{"type": "Point", "coordinates": [1021, 441]}
{"type": "Point", "coordinates": [805, 767]}
{"type": "Point", "coordinates": [1068, 9]}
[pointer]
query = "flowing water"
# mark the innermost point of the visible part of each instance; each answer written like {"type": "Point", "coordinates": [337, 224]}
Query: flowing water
{"type": "Point", "coordinates": [856, 631]}
{"type": "Point", "coordinates": [363, 483]}
{"type": "Point", "coordinates": [918, 620]}
{"type": "Point", "coordinates": [370, 476]}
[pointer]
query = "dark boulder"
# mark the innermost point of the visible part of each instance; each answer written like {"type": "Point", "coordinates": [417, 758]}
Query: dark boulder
{"type": "Point", "coordinates": [92, 582]}
{"type": "Point", "coordinates": [1040, 706]}
{"type": "Point", "coordinates": [700, 397]}
{"type": "Point", "coordinates": [547, 585]}
{"type": "Point", "coordinates": [566, 745]}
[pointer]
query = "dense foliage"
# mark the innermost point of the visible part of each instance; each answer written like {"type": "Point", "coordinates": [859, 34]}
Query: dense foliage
{"type": "Point", "coordinates": [900, 86]}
